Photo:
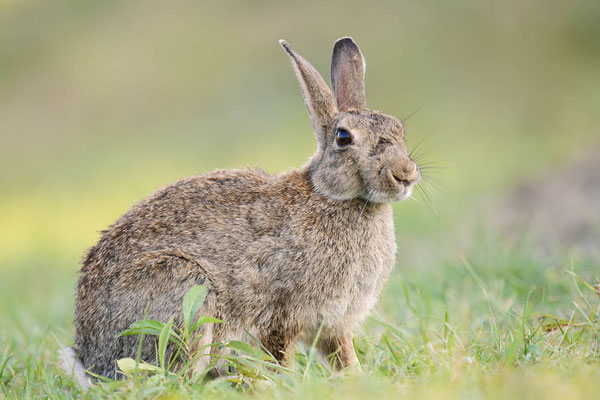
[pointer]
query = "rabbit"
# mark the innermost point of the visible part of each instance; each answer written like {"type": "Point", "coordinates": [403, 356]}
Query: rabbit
{"type": "Point", "coordinates": [296, 257]}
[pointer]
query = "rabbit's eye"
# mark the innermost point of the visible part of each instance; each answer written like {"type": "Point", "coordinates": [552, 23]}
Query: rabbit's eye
{"type": "Point", "coordinates": [343, 137]}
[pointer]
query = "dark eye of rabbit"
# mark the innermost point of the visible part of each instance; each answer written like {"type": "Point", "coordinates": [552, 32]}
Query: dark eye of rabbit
{"type": "Point", "coordinates": [343, 137]}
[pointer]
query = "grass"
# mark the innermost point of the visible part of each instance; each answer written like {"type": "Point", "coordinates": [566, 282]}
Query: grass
{"type": "Point", "coordinates": [491, 324]}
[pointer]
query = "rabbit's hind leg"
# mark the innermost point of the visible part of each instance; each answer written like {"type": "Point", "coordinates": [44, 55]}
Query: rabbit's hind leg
{"type": "Point", "coordinates": [204, 350]}
{"type": "Point", "coordinates": [280, 341]}
{"type": "Point", "coordinates": [339, 350]}
{"type": "Point", "coordinates": [153, 287]}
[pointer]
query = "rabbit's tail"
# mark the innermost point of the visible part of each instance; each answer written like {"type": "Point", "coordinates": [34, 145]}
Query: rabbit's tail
{"type": "Point", "coordinates": [73, 367]}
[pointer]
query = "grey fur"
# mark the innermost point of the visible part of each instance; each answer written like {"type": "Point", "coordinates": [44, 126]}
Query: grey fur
{"type": "Point", "coordinates": [280, 255]}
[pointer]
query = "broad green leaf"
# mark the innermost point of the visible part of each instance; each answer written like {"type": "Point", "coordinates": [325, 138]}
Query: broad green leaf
{"type": "Point", "coordinates": [149, 327]}
{"type": "Point", "coordinates": [192, 301]}
{"type": "Point", "coordinates": [205, 320]}
{"type": "Point", "coordinates": [148, 324]}
{"type": "Point", "coordinates": [248, 349]}
{"type": "Point", "coordinates": [163, 340]}
{"type": "Point", "coordinates": [145, 326]}
{"type": "Point", "coordinates": [241, 346]}
{"type": "Point", "coordinates": [154, 380]}
{"type": "Point", "coordinates": [128, 366]}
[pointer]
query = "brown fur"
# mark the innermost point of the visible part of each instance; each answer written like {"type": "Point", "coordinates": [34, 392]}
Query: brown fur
{"type": "Point", "coordinates": [340, 350]}
{"type": "Point", "coordinates": [281, 255]}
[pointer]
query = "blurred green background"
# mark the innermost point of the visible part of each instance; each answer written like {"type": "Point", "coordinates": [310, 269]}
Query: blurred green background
{"type": "Point", "coordinates": [102, 102]}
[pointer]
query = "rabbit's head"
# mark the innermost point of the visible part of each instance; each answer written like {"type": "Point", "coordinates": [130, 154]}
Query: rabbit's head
{"type": "Point", "coordinates": [361, 152]}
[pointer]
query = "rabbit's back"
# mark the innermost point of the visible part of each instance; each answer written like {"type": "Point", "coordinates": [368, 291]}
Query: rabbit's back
{"type": "Point", "coordinates": [182, 214]}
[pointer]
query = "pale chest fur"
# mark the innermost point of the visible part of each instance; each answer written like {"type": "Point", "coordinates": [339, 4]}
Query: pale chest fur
{"type": "Point", "coordinates": [354, 261]}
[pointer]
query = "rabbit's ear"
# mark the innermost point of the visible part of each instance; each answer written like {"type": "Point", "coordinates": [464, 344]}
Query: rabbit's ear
{"type": "Point", "coordinates": [348, 74]}
{"type": "Point", "coordinates": [318, 98]}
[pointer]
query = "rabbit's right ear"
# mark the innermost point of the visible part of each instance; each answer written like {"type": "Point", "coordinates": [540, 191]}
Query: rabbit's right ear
{"type": "Point", "coordinates": [348, 74]}
{"type": "Point", "coordinates": [318, 98]}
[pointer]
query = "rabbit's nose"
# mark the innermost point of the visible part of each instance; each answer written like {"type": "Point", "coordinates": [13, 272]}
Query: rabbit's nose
{"type": "Point", "coordinates": [409, 168]}
{"type": "Point", "coordinates": [407, 174]}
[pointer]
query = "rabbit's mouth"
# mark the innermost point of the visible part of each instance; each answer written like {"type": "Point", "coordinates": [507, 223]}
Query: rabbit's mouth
{"type": "Point", "coordinates": [380, 196]}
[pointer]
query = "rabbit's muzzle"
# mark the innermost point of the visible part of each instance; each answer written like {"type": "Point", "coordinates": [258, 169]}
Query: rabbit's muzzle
{"type": "Point", "coordinates": [402, 177]}
{"type": "Point", "coordinates": [406, 175]}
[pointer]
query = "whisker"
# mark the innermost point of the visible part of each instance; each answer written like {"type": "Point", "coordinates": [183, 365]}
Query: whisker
{"type": "Point", "coordinates": [430, 167]}
{"type": "Point", "coordinates": [412, 113]}
{"type": "Point", "coordinates": [426, 198]}
{"type": "Point", "coordinates": [415, 151]}
{"type": "Point", "coordinates": [426, 170]}
{"type": "Point", "coordinates": [420, 199]}
{"type": "Point", "coordinates": [414, 198]}
{"type": "Point", "coordinates": [369, 195]}
{"type": "Point", "coordinates": [424, 159]}
{"type": "Point", "coordinates": [421, 154]}
{"type": "Point", "coordinates": [434, 184]}
{"type": "Point", "coordinates": [435, 192]}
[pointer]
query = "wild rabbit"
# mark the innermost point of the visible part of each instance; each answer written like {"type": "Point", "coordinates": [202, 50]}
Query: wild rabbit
{"type": "Point", "coordinates": [281, 256]}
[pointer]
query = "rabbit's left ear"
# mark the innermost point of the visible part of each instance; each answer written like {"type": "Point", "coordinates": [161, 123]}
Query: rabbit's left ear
{"type": "Point", "coordinates": [348, 74]}
{"type": "Point", "coordinates": [318, 98]}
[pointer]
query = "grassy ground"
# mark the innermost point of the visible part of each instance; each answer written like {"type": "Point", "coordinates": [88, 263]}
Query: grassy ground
{"type": "Point", "coordinates": [492, 324]}
{"type": "Point", "coordinates": [104, 102]}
